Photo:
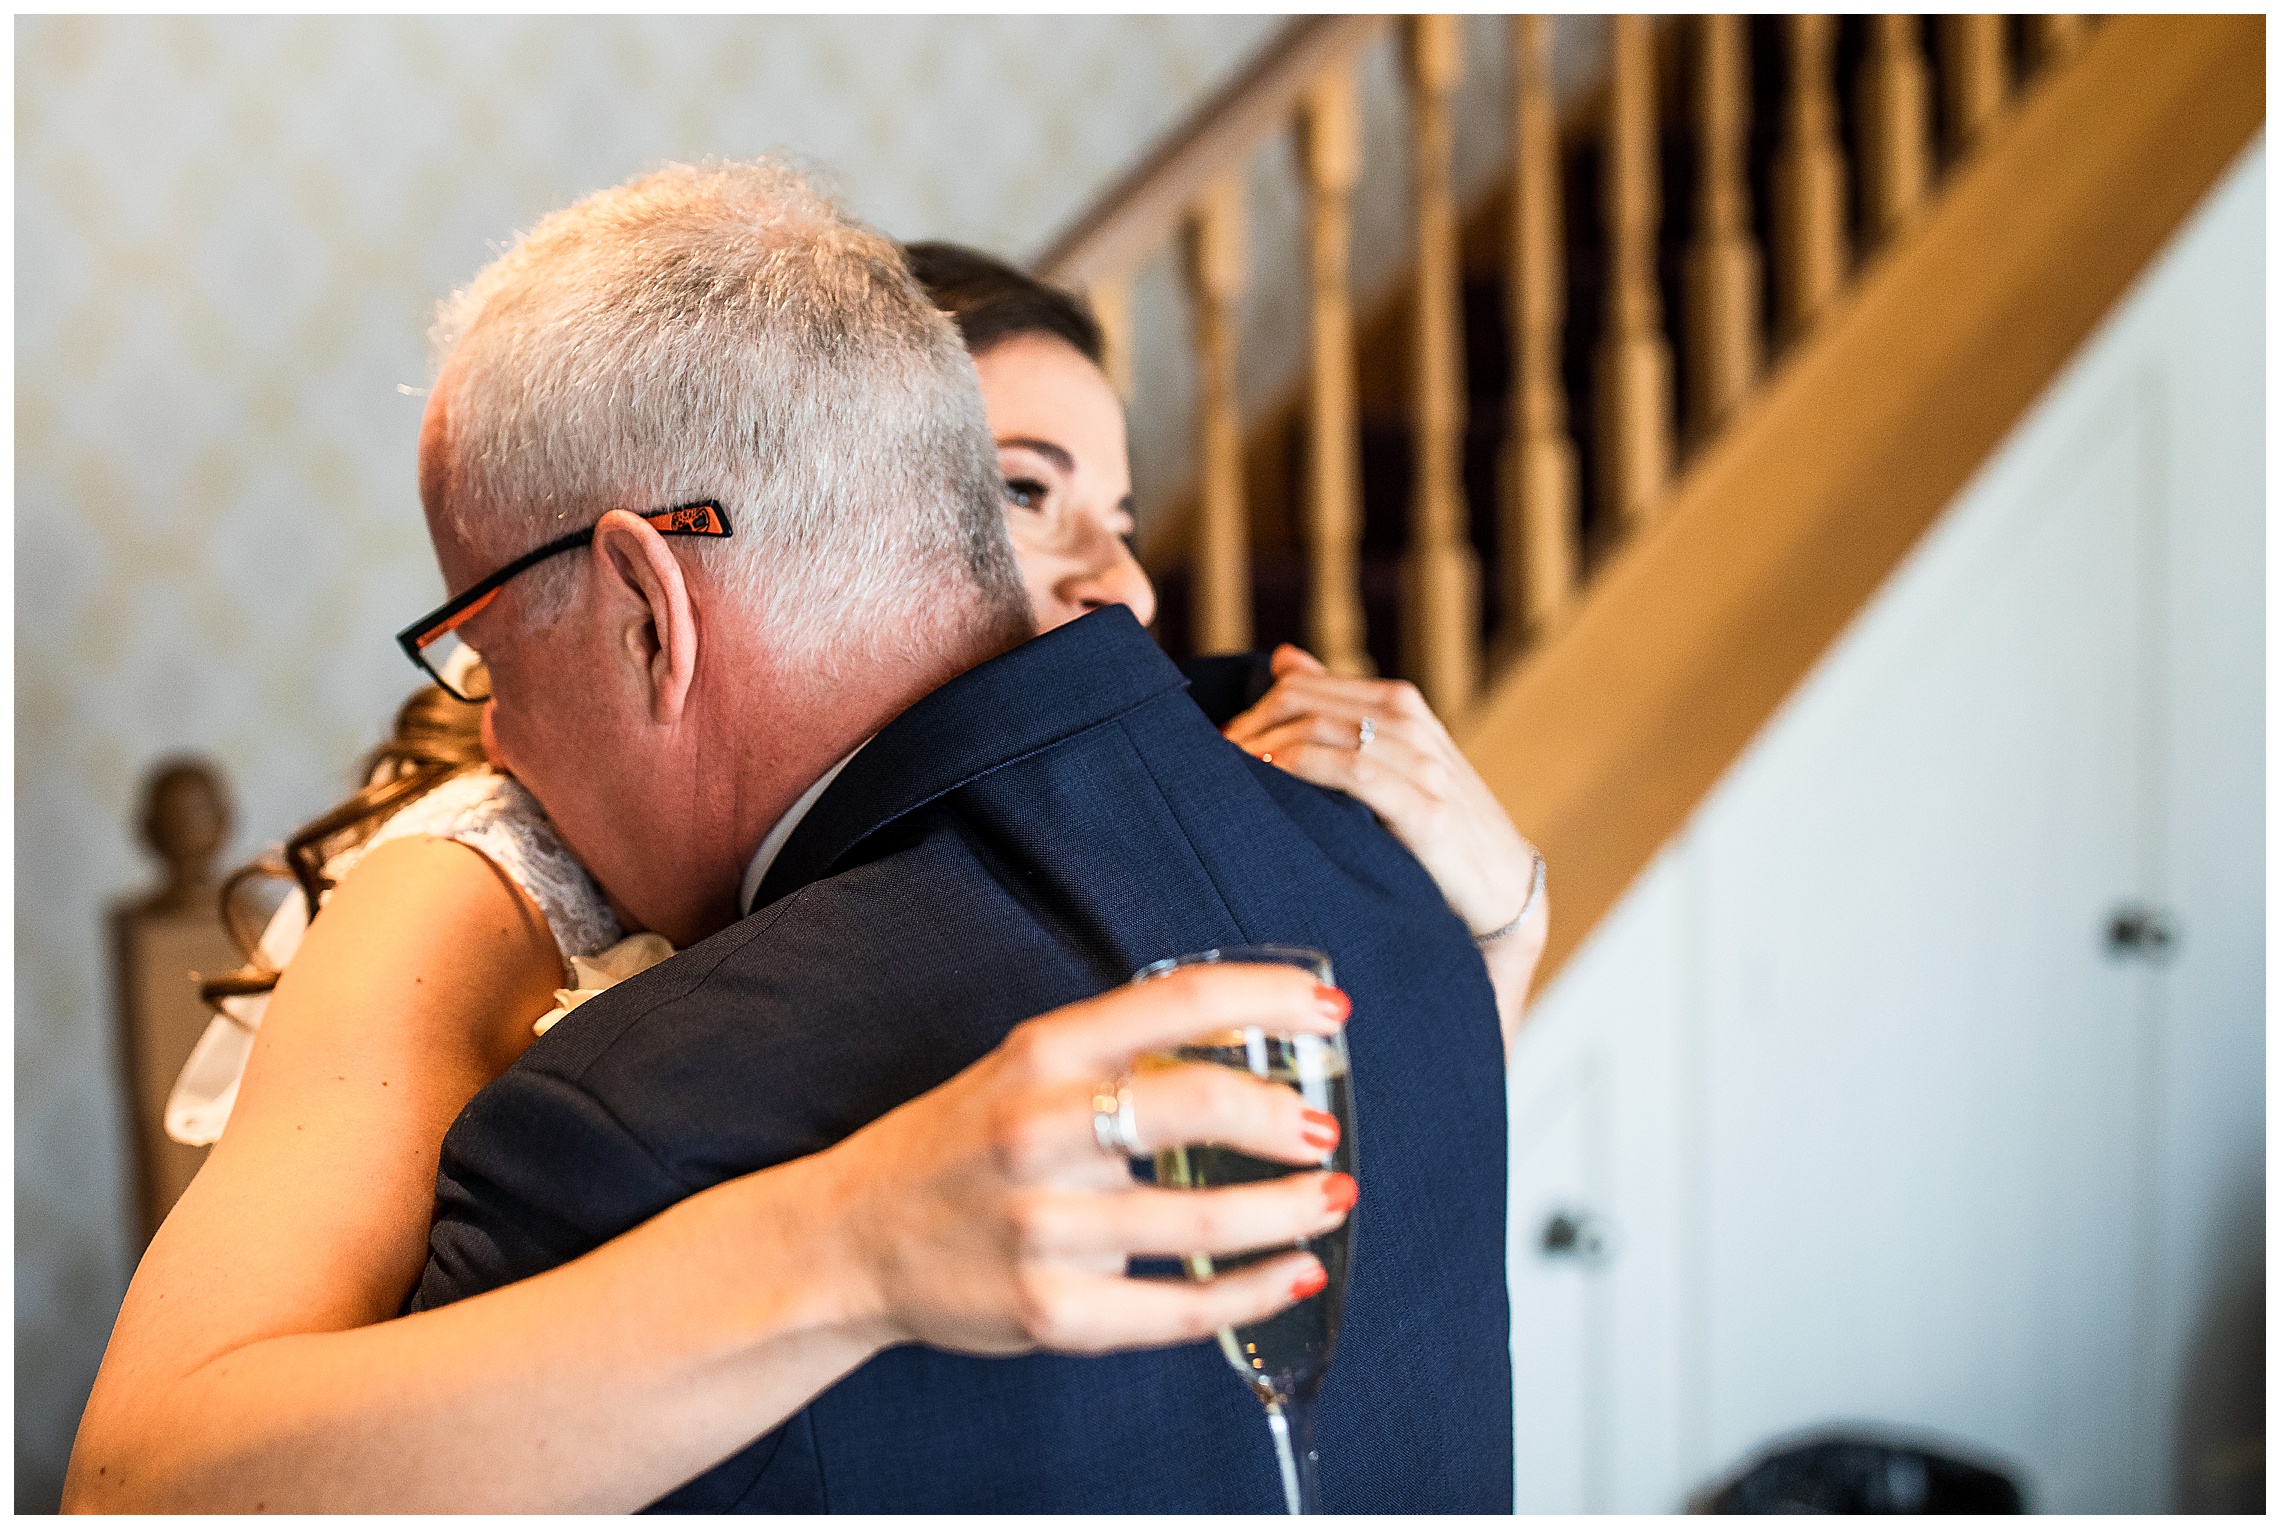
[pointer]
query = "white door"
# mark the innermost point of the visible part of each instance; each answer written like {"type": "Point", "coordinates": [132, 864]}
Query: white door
{"type": "Point", "coordinates": [1882, 1130]}
{"type": "Point", "coordinates": [1597, 1219]}
{"type": "Point", "coordinates": [1924, 1121]}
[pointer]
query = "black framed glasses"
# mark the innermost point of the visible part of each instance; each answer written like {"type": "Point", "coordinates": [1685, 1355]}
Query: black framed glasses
{"type": "Point", "coordinates": [432, 642]}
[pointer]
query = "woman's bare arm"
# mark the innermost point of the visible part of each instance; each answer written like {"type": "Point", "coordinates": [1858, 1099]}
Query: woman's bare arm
{"type": "Point", "coordinates": [254, 1365]}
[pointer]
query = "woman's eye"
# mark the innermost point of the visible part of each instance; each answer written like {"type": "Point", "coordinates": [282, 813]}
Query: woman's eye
{"type": "Point", "coordinates": [1028, 493]}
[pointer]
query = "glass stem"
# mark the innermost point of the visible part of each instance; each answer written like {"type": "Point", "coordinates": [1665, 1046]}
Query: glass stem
{"type": "Point", "coordinates": [1291, 1420]}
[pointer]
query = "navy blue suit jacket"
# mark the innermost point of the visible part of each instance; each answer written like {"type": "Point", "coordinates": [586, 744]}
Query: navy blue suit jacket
{"type": "Point", "coordinates": [1025, 836]}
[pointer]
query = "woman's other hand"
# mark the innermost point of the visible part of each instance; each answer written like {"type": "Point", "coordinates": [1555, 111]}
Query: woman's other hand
{"type": "Point", "coordinates": [988, 1219]}
{"type": "Point", "coordinates": [1416, 779]}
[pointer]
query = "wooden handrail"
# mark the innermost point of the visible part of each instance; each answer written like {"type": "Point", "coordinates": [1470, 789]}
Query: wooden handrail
{"type": "Point", "coordinates": [1146, 208]}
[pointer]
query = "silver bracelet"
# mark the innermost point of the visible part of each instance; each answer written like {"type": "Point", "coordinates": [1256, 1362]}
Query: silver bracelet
{"type": "Point", "coordinates": [1535, 890]}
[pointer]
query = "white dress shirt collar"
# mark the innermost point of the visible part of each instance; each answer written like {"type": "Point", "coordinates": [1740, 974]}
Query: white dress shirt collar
{"type": "Point", "coordinates": [773, 845]}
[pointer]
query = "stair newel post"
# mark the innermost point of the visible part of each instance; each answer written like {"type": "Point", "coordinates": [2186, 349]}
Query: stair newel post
{"type": "Point", "coordinates": [1441, 605]}
{"type": "Point", "coordinates": [1634, 371]}
{"type": "Point", "coordinates": [1723, 269]}
{"type": "Point", "coordinates": [1539, 528]}
{"type": "Point", "coordinates": [1809, 180]}
{"type": "Point", "coordinates": [1896, 163]}
{"type": "Point", "coordinates": [1331, 144]}
{"type": "Point", "coordinates": [2052, 40]}
{"type": "Point", "coordinates": [1978, 77]}
{"type": "Point", "coordinates": [1110, 298]}
{"type": "Point", "coordinates": [1222, 580]}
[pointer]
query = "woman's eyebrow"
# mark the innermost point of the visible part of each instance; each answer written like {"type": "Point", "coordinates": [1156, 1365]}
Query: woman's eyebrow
{"type": "Point", "coordinates": [1056, 455]}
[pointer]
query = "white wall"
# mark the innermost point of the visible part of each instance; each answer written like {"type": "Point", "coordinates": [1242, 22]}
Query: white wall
{"type": "Point", "coordinates": [229, 235]}
{"type": "Point", "coordinates": [1877, 1128]}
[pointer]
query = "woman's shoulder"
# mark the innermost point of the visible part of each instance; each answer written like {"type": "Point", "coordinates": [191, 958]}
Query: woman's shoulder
{"type": "Point", "coordinates": [495, 816]}
{"type": "Point", "coordinates": [488, 812]}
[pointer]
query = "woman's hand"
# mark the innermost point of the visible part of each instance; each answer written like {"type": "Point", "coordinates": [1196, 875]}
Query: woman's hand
{"type": "Point", "coordinates": [1414, 777]}
{"type": "Point", "coordinates": [989, 1220]}
{"type": "Point", "coordinates": [981, 1216]}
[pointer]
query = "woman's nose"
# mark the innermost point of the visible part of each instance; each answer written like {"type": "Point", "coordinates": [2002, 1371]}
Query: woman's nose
{"type": "Point", "coordinates": [1113, 576]}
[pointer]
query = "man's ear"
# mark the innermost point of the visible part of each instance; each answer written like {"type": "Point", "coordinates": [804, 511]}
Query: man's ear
{"type": "Point", "coordinates": [646, 597]}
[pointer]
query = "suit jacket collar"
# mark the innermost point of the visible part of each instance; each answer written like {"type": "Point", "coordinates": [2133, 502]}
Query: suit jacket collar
{"type": "Point", "coordinates": [1050, 688]}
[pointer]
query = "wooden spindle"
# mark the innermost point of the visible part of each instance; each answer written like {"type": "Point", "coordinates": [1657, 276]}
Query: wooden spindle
{"type": "Point", "coordinates": [1222, 569]}
{"type": "Point", "coordinates": [1331, 150]}
{"type": "Point", "coordinates": [1978, 77]}
{"type": "Point", "coordinates": [1634, 356]}
{"type": "Point", "coordinates": [1896, 148]}
{"type": "Point", "coordinates": [1723, 268]}
{"type": "Point", "coordinates": [1111, 300]}
{"type": "Point", "coordinates": [1441, 606]}
{"type": "Point", "coordinates": [2052, 40]}
{"type": "Point", "coordinates": [1539, 527]}
{"type": "Point", "coordinates": [1809, 181]}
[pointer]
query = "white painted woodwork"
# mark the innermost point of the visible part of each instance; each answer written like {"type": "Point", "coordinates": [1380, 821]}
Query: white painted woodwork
{"type": "Point", "coordinates": [1884, 1132]}
{"type": "Point", "coordinates": [1597, 1126]}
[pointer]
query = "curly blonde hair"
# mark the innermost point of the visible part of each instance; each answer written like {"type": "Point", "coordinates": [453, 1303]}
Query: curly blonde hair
{"type": "Point", "coordinates": [436, 737]}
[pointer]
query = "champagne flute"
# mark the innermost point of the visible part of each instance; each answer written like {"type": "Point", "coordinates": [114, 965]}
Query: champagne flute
{"type": "Point", "coordinates": [1284, 1358]}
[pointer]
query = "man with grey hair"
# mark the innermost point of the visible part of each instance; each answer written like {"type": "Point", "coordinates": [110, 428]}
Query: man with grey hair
{"type": "Point", "coordinates": [786, 705]}
{"type": "Point", "coordinates": [716, 333]}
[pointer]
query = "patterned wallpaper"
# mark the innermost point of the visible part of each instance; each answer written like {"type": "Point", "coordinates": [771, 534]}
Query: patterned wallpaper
{"type": "Point", "coordinates": [229, 235]}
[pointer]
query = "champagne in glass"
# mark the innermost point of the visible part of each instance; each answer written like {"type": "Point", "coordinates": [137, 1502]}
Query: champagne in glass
{"type": "Point", "coordinates": [1284, 1358]}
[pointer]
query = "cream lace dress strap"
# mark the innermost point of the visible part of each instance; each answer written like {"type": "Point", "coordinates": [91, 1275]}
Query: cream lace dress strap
{"type": "Point", "coordinates": [491, 814]}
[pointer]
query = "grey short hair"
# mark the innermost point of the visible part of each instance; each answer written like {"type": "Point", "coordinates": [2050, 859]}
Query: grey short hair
{"type": "Point", "coordinates": [722, 331]}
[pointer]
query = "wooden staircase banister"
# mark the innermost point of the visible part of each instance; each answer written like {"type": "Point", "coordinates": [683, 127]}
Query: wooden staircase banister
{"type": "Point", "coordinates": [1692, 634]}
{"type": "Point", "coordinates": [1647, 627]}
{"type": "Point", "coordinates": [1144, 210]}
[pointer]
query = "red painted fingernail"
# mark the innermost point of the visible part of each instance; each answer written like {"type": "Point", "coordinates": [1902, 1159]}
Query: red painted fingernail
{"type": "Point", "coordinates": [1321, 1131]}
{"type": "Point", "coordinates": [1309, 1283]}
{"type": "Point", "coordinates": [1334, 1003]}
{"type": "Point", "coordinates": [1339, 1191]}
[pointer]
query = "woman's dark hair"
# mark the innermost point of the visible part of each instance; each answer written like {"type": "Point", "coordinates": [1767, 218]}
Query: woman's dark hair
{"type": "Point", "coordinates": [991, 302]}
